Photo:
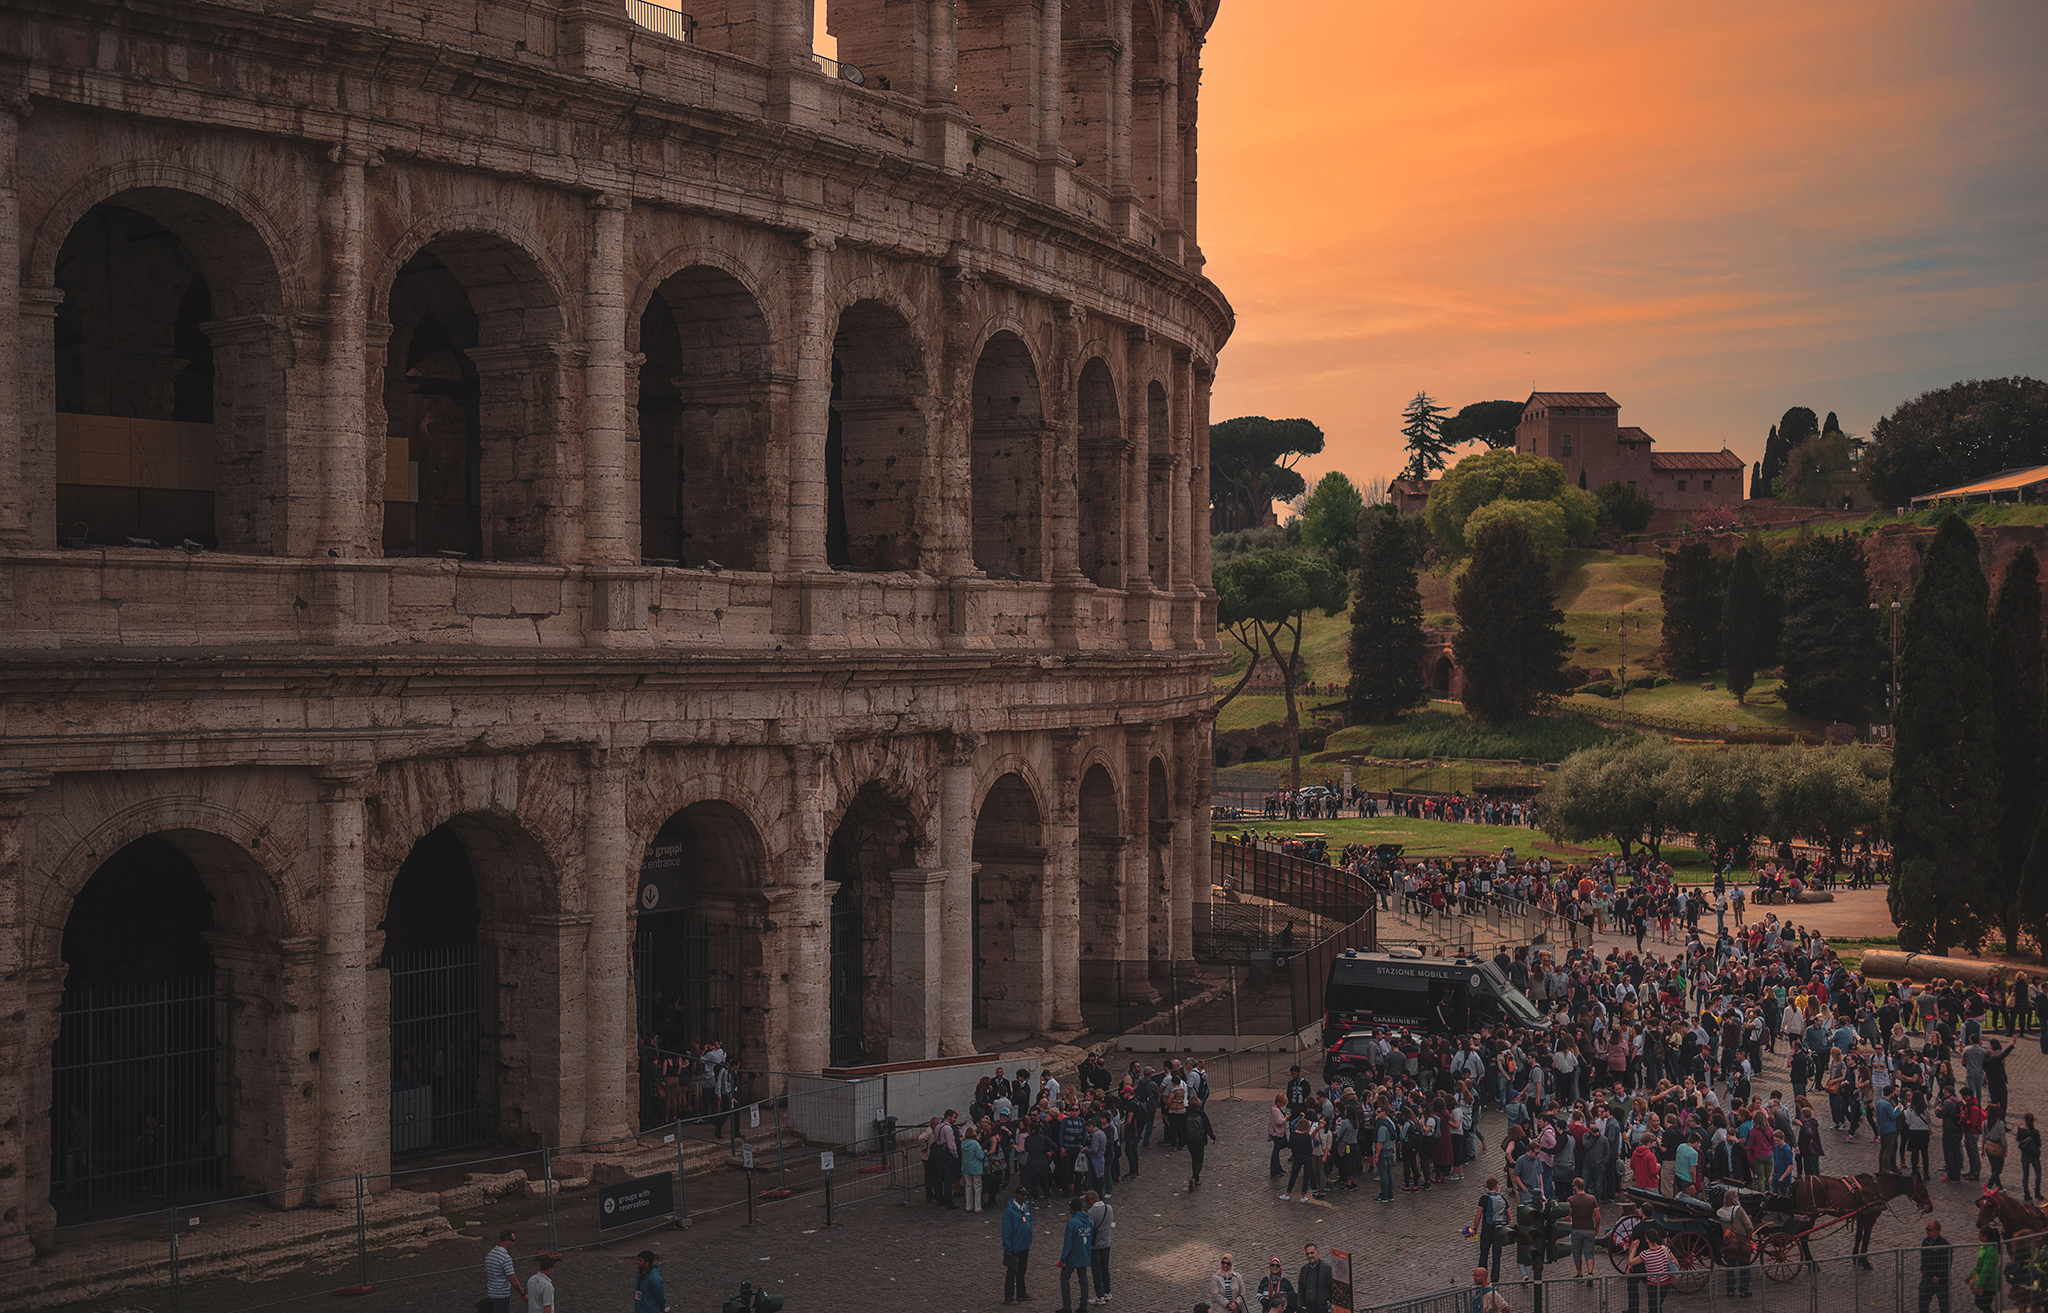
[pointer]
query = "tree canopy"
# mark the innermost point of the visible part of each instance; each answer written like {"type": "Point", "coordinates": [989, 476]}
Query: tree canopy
{"type": "Point", "coordinates": [1955, 434]}
{"type": "Point", "coordinates": [1387, 643]}
{"type": "Point", "coordinates": [1741, 609]}
{"type": "Point", "coordinates": [1624, 507]}
{"type": "Point", "coordinates": [1828, 641]}
{"type": "Point", "coordinates": [1251, 466]}
{"type": "Point", "coordinates": [1944, 781]}
{"type": "Point", "coordinates": [1511, 642]}
{"type": "Point", "coordinates": [1505, 476]}
{"type": "Point", "coordinates": [1329, 522]}
{"type": "Point", "coordinates": [1692, 611]}
{"type": "Point", "coordinates": [1422, 424]}
{"type": "Point", "coordinates": [1491, 422]}
{"type": "Point", "coordinates": [1266, 596]}
{"type": "Point", "coordinates": [1628, 792]}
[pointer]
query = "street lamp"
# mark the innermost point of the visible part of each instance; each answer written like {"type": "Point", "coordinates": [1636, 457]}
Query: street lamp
{"type": "Point", "coordinates": [1891, 700]}
{"type": "Point", "coordinates": [1621, 669]}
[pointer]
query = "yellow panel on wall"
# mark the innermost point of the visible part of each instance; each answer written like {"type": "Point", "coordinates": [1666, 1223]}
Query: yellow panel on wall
{"type": "Point", "coordinates": [115, 452]}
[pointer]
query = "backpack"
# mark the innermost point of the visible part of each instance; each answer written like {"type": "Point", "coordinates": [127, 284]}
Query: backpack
{"type": "Point", "coordinates": [1973, 1117]}
{"type": "Point", "coordinates": [1496, 1205]}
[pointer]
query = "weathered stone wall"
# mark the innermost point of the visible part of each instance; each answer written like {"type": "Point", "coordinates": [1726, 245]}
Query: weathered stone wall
{"type": "Point", "coordinates": [596, 422]}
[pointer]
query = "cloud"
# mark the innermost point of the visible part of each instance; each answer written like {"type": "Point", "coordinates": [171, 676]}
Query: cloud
{"type": "Point", "coordinates": [1699, 207]}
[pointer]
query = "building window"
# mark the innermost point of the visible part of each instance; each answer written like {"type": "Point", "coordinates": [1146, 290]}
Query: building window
{"type": "Point", "coordinates": [1681, 485]}
{"type": "Point", "coordinates": [1567, 444]}
{"type": "Point", "coordinates": [1706, 485]}
{"type": "Point", "coordinates": [1631, 485]}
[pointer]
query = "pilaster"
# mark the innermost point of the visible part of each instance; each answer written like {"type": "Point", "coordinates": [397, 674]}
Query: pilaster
{"type": "Point", "coordinates": [347, 1114]}
{"type": "Point", "coordinates": [956, 855]}
{"type": "Point", "coordinates": [611, 867]}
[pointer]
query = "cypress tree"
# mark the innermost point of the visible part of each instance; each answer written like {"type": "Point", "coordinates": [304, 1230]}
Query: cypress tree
{"type": "Point", "coordinates": [2019, 691]}
{"type": "Point", "coordinates": [1828, 643]}
{"type": "Point", "coordinates": [1386, 622]}
{"type": "Point", "coordinates": [1692, 611]}
{"type": "Point", "coordinates": [1741, 610]}
{"type": "Point", "coordinates": [1511, 641]}
{"type": "Point", "coordinates": [1944, 790]}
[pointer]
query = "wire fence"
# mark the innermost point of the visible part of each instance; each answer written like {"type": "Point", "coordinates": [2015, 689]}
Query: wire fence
{"type": "Point", "coordinates": [1890, 1279]}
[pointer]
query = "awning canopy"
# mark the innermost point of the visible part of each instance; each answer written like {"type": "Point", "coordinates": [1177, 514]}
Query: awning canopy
{"type": "Point", "coordinates": [2014, 482]}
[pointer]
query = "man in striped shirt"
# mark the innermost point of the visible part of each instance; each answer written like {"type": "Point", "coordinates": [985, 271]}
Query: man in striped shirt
{"type": "Point", "coordinates": [499, 1278]}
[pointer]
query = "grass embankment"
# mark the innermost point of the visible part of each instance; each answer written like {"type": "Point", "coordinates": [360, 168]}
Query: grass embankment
{"type": "Point", "coordinates": [1447, 839]}
{"type": "Point", "coordinates": [1979, 516]}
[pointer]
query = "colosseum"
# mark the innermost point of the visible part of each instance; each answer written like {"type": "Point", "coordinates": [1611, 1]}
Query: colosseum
{"type": "Point", "coordinates": [533, 530]}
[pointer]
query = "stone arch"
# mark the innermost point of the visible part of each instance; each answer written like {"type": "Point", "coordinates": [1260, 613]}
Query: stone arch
{"type": "Point", "coordinates": [1443, 675]}
{"type": "Point", "coordinates": [468, 987]}
{"type": "Point", "coordinates": [184, 927]}
{"type": "Point", "coordinates": [877, 440]}
{"type": "Point", "coordinates": [701, 960]}
{"type": "Point", "coordinates": [1009, 464]}
{"type": "Point", "coordinates": [1012, 943]}
{"type": "Point", "coordinates": [872, 849]}
{"type": "Point", "coordinates": [1159, 470]}
{"type": "Point", "coordinates": [477, 395]}
{"type": "Point", "coordinates": [707, 399]}
{"type": "Point", "coordinates": [169, 371]}
{"type": "Point", "coordinates": [1103, 451]}
{"type": "Point", "coordinates": [1102, 892]}
{"type": "Point", "coordinates": [757, 283]}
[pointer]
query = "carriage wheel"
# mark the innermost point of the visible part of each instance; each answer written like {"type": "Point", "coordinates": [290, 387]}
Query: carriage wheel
{"type": "Point", "coordinates": [1781, 1257]}
{"type": "Point", "coordinates": [1694, 1260]}
{"type": "Point", "coordinates": [1617, 1243]}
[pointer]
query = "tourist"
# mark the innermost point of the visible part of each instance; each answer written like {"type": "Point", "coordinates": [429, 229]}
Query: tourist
{"type": "Point", "coordinates": [2029, 1140]}
{"type": "Point", "coordinates": [1490, 1224]}
{"type": "Point", "coordinates": [650, 1293]}
{"type": "Point", "coordinates": [1226, 1288]}
{"type": "Point", "coordinates": [1316, 1284]}
{"type": "Point", "coordinates": [500, 1280]}
{"type": "Point", "coordinates": [1985, 1273]}
{"type": "Point", "coordinates": [1485, 1299]}
{"type": "Point", "coordinates": [1201, 1132]}
{"type": "Point", "coordinates": [1077, 1254]}
{"type": "Point", "coordinates": [1016, 1247]}
{"type": "Point", "coordinates": [1276, 1292]}
{"type": "Point", "coordinates": [540, 1287]}
{"type": "Point", "coordinates": [1585, 1210]}
{"type": "Point", "coordinates": [1102, 1218]}
{"type": "Point", "coordinates": [1935, 1253]}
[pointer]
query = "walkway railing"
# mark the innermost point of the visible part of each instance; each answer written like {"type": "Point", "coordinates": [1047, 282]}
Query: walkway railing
{"type": "Point", "coordinates": [670, 23]}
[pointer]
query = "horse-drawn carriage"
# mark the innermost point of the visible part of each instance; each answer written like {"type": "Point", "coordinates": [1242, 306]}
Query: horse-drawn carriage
{"type": "Point", "coordinates": [1785, 1227]}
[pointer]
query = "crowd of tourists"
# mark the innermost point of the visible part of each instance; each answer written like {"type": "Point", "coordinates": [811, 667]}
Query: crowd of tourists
{"type": "Point", "coordinates": [1330, 801]}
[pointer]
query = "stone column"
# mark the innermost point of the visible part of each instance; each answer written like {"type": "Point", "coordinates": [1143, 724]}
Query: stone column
{"type": "Point", "coordinates": [1186, 529]}
{"type": "Point", "coordinates": [808, 933]}
{"type": "Point", "coordinates": [18, 1145]}
{"type": "Point", "coordinates": [337, 432]}
{"type": "Point", "coordinates": [13, 495]}
{"type": "Point", "coordinates": [917, 942]}
{"type": "Point", "coordinates": [1063, 883]}
{"type": "Point", "coordinates": [942, 54]}
{"type": "Point", "coordinates": [956, 854]}
{"type": "Point", "coordinates": [1190, 853]}
{"type": "Point", "coordinates": [1198, 503]}
{"type": "Point", "coordinates": [1139, 915]}
{"type": "Point", "coordinates": [611, 1040]}
{"type": "Point", "coordinates": [347, 1112]}
{"type": "Point", "coordinates": [37, 488]}
{"type": "Point", "coordinates": [1046, 70]}
{"type": "Point", "coordinates": [952, 433]}
{"type": "Point", "coordinates": [1137, 485]}
{"type": "Point", "coordinates": [611, 466]}
{"type": "Point", "coordinates": [1062, 491]}
{"type": "Point", "coordinates": [810, 404]}
{"type": "Point", "coordinates": [1169, 134]}
{"type": "Point", "coordinates": [1121, 86]}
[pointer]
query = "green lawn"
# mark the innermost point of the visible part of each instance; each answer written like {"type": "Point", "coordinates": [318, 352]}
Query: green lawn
{"type": "Point", "coordinates": [1686, 700]}
{"type": "Point", "coordinates": [1978, 516]}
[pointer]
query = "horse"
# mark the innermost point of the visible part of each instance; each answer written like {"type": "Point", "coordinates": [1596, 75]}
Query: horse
{"type": "Point", "coordinates": [2025, 1227]}
{"type": "Point", "coordinates": [1863, 1197]}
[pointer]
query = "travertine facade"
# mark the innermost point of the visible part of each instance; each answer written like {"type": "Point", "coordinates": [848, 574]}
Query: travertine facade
{"type": "Point", "coordinates": [584, 435]}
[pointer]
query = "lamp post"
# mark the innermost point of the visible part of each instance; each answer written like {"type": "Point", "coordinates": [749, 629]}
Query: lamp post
{"type": "Point", "coordinates": [1621, 670]}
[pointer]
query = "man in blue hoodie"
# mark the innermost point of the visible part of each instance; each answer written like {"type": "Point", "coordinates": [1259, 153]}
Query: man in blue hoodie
{"type": "Point", "coordinates": [1016, 1245]}
{"type": "Point", "coordinates": [1077, 1255]}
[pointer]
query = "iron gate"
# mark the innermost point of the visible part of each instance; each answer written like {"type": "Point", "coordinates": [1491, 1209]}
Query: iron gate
{"type": "Point", "coordinates": [138, 1096]}
{"type": "Point", "coordinates": [849, 1033]}
{"type": "Point", "coordinates": [444, 1049]}
{"type": "Point", "coordinates": [686, 981]}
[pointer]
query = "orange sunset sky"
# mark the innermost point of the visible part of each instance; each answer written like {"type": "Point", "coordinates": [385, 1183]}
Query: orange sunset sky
{"type": "Point", "coordinates": [1710, 211]}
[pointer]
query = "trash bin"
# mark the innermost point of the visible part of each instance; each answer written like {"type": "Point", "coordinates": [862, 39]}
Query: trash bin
{"type": "Point", "coordinates": [885, 1132]}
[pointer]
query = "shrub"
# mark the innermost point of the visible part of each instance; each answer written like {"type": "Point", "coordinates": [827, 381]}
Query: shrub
{"type": "Point", "coordinates": [1603, 689]}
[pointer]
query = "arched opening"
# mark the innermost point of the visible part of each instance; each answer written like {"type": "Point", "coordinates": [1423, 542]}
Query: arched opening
{"type": "Point", "coordinates": [704, 422]}
{"type": "Point", "coordinates": [1008, 469]}
{"type": "Point", "coordinates": [443, 1003]}
{"type": "Point", "coordinates": [875, 443]}
{"type": "Point", "coordinates": [473, 402]}
{"type": "Point", "coordinates": [698, 953]}
{"type": "Point", "coordinates": [162, 1080]}
{"type": "Point", "coordinates": [1103, 894]}
{"type": "Point", "coordinates": [1159, 868]}
{"type": "Point", "coordinates": [1440, 682]}
{"type": "Point", "coordinates": [874, 841]}
{"type": "Point", "coordinates": [1159, 491]}
{"type": "Point", "coordinates": [1012, 970]}
{"type": "Point", "coordinates": [169, 390]}
{"type": "Point", "coordinates": [1102, 477]}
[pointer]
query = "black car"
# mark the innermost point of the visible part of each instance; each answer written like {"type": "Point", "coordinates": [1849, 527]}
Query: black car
{"type": "Point", "coordinates": [1352, 1058]}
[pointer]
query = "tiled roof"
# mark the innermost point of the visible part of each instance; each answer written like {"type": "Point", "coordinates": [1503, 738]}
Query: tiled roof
{"type": "Point", "coordinates": [1412, 486]}
{"type": "Point", "coordinates": [1571, 399]}
{"type": "Point", "coordinates": [1630, 433]}
{"type": "Point", "coordinates": [1696, 460]}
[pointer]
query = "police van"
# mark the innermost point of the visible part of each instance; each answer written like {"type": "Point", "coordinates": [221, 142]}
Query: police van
{"type": "Point", "coordinates": [1402, 990]}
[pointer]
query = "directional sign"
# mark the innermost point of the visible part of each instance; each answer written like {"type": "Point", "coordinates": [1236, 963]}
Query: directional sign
{"type": "Point", "coordinates": [635, 1201]}
{"type": "Point", "coordinates": [754, 1114]}
{"type": "Point", "coordinates": [747, 1156]}
{"type": "Point", "coordinates": [825, 1161]}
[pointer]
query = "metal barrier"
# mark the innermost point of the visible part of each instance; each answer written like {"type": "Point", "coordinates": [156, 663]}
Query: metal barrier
{"type": "Point", "coordinates": [670, 23]}
{"type": "Point", "coordinates": [1889, 1279]}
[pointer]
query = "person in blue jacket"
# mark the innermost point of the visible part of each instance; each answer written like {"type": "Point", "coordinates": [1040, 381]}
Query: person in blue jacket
{"type": "Point", "coordinates": [1016, 1245]}
{"type": "Point", "coordinates": [1077, 1254]}
{"type": "Point", "coordinates": [650, 1295]}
